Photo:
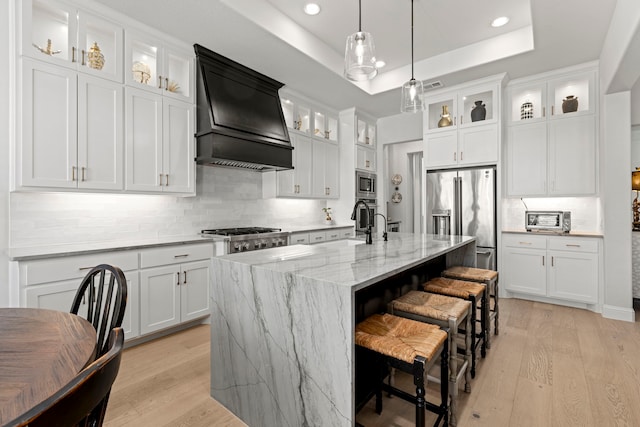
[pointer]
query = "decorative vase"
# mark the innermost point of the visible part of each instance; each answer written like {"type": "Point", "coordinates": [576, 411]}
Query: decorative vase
{"type": "Point", "coordinates": [96, 58]}
{"type": "Point", "coordinates": [570, 104]}
{"type": "Point", "coordinates": [479, 112]}
{"type": "Point", "coordinates": [526, 110]}
{"type": "Point", "coordinates": [445, 118]}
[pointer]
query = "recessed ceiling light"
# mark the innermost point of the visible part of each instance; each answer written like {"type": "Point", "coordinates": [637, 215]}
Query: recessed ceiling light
{"type": "Point", "coordinates": [380, 64]}
{"type": "Point", "coordinates": [311, 9]}
{"type": "Point", "coordinates": [499, 22]}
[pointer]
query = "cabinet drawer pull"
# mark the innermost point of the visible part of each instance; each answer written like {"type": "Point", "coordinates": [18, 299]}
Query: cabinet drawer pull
{"type": "Point", "coordinates": [461, 155]}
{"type": "Point", "coordinates": [73, 173]}
{"type": "Point", "coordinates": [544, 111]}
{"type": "Point", "coordinates": [84, 62]}
{"type": "Point", "coordinates": [178, 282]}
{"type": "Point", "coordinates": [300, 241]}
{"type": "Point", "coordinates": [166, 83]}
{"type": "Point", "coordinates": [454, 156]}
{"type": "Point", "coordinates": [160, 180]}
{"type": "Point", "coordinates": [73, 54]}
{"type": "Point", "coordinates": [181, 256]}
{"type": "Point", "coordinates": [318, 238]}
{"type": "Point", "coordinates": [454, 120]}
{"type": "Point", "coordinates": [83, 172]}
{"type": "Point", "coordinates": [551, 261]}
{"type": "Point", "coordinates": [543, 260]}
{"type": "Point", "coordinates": [167, 182]}
{"type": "Point", "coordinates": [159, 82]}
{"type": "Point", "coordinates": [552, 110]}
{"type": "Point", "coordinates": [525, 243]}
{"type": "Point", "coordinates": [572, 246]}
{"type": "Point", "coordinates": [185, 277]}
{"type": "Point", "coordinates": [84, 268]}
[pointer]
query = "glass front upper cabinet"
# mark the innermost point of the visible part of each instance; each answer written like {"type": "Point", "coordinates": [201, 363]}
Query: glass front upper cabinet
{"type": "Point", "coordinates": [72, 38]}
{"type": "Point", "coordinates": [441, 113]}
{"type": "Point", "coordinates": [558, 98]}
{"type": "Point", "coordinates": [155, 66]}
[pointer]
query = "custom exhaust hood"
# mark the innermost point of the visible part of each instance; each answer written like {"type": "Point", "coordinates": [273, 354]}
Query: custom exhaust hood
{"type": "Point", "coordinates": [239, 116]}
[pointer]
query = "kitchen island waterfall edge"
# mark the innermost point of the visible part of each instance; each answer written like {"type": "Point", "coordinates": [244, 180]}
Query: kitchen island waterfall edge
{"type": "Point", "coordinates": [282, 324]}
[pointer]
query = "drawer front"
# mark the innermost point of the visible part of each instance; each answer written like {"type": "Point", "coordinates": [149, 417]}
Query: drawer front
{"type": "Point", "coordinates": [175, 254]}
{"type": "Point", "coordinates": [317, 237]}
{"type": "Point", "coordinates": [573, 244]}
{"type": "Point", "coordinates": [524, 241]}
{"type": "Point", "coordinates": [299, 239]}
{"type": "Point", "coordinates": [333, 235]}
{"type": "Point", "coordinates": [345, 233]}
{"type": "Point", "coordinates": [75, 267]}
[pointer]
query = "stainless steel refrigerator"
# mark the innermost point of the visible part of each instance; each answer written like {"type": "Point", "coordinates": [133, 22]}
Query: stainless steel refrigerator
{"type": "Point", "coordinates": [464, 202]}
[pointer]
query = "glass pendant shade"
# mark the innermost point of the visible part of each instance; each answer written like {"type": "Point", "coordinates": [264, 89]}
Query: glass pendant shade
{"type": "Point", "coordinates": [360, 57]}
{"type": "Point", "coordinates": [412, 97]}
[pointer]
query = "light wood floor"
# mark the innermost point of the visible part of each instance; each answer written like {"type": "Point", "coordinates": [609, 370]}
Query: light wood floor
{"type": "Point", "coordinates": [550, 366]}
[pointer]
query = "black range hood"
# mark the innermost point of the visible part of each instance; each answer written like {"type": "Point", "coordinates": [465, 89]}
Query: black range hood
{"type": "Point", "coordinates": [239, 116]}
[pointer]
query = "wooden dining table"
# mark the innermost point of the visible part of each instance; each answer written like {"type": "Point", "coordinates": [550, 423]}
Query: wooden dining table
{"type": "Point", "coordinates": [40, 351]}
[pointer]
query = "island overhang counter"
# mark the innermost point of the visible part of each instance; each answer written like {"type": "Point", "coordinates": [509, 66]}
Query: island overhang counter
{"type": "Point", "coordinates": [283, 319]}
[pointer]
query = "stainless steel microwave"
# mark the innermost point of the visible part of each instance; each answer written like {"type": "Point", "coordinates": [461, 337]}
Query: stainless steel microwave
{"type": "Point", "coordinates": [558, 221]}
{"type": "Point", "coordinates": [365, 185]}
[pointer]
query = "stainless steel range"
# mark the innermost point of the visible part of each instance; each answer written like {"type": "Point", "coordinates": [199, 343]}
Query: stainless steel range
{"type": "Point", "coordinates": [250, 238]}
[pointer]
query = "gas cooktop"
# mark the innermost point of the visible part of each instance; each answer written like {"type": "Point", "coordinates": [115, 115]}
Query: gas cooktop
{"type": "Point", "coordinates": [240, 231]}
{"type": "Point", "coordinates": [241, 239]}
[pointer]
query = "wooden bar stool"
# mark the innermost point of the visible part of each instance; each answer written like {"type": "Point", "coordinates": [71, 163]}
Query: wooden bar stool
{"type": "Point", "coordinates": [489, 278]}
{"type": "Point", "coordinates": [413, 347]}
{"type": "Point", "coordinates": [473, 292]}
{"type": "Point", "coordinates": [450, 313]}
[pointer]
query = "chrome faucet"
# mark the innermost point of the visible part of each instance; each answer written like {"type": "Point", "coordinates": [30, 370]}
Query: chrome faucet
{"type": "Point", "coordinates": [384, 234]}
{"type": "Point", "coordinates": [367, 232]}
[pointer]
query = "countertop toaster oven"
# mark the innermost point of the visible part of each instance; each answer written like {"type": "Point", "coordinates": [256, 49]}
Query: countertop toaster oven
{"type": "Point", "coordinates": [553, 221]}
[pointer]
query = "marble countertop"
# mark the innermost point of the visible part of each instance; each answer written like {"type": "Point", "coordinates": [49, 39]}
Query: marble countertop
{"type": "Point", "coordinates": [84, 248]}
{"type": "Point", "coordinates": [315, 227]}
{"type": "Point", "coordinates": [551, 233]}
{"type": "Point", "coordinates": [351, 262]}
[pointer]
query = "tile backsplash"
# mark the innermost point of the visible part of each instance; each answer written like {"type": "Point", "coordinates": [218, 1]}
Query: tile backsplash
{"type": "Point", "coordinates": [586, 212]}
{"type": "Point", "coordinates": [225, 198]}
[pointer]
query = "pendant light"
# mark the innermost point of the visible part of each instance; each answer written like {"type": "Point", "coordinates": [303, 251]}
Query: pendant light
{"type": "Point", "coordinates": [412, 92]}
{"type": "Point", "coordinates": [359, 54]}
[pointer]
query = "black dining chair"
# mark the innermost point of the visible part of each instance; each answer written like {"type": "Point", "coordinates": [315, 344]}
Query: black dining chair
{"type": "Point", "coordinates": [83, 401]}
{"type": "Point", "coordinates": [102, 303]}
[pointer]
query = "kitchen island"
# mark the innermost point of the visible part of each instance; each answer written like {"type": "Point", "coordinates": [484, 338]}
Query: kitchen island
{"type": "Point", "coordinates": [283, 319]}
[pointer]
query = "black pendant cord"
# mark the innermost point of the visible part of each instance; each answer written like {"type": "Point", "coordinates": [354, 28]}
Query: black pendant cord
{"type": "Point", "coordinates": [412, 40]}
{"type": "Point", "coordinates": [360, 16]}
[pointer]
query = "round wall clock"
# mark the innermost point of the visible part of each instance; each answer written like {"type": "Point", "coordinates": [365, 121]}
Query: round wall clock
{"type": "Point", "coordinates": [396, 179]}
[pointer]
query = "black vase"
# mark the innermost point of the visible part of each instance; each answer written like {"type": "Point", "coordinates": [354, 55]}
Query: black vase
{"type": "Point", "coordinates": [479, 112]}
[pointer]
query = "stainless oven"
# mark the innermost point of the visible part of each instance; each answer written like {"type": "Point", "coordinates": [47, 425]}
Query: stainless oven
{"type": "Point", "coordinates": [361, 215]}
{"type": "Point", "coordinates": [365, 185]}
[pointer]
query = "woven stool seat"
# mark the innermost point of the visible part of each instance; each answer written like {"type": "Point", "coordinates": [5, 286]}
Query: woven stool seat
{"type": "Point", "coordinates": [453, 287]}
{"type": "Point", "coordinates": [489, 278]}
{"type": "Point", "coordinates": [470, 273]}
{"type": "Point", "coordinates": [400, 338]}
{"type": "Point", "coordinates": [453, 314]}
{"type": "Point", "coordinates": [434, 306]}
{"type": "Point", "coordinates": [471, 291]}
{"type": "Point", "coordinates": [392, 342]}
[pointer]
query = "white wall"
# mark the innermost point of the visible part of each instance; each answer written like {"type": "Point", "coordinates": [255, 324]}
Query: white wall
{"type": "Point", "coordinates": [616, 137]}
{"type": "Point", "coordinates": [635, 104]}
{"type": "Point", "coordinates": [405, 128]}
{"type": "Point", "coordinates": [398, 163]}
{"type": "Point", "coordinates": [226, 198]}
{"type": "Point", "coordinates": [6, 29]}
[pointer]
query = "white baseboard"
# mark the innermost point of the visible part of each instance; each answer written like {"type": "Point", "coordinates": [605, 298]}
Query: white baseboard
{"type": "Point", "coordinates": [619, 313]}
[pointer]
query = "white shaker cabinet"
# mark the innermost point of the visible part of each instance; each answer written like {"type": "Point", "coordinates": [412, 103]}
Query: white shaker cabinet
{"type": "Point", "coordinates": [160, 145]}
{"type": "Point", "coordinates": [297, 182]}
{"type": "Point", "coordinates": [560, 268]}
{"type": "Point", "coordinates": [326, 164]}
{"type": "Point", "coordinates": [72, 130]}
{"type": "Point", "coordinates": [53, 283]}
{"type": "Point", "coordinates": [552, 150]}
{"type": "Point", "coordinates": [460, 141]}
{"type": "Point", "coordinates": [174, 285]}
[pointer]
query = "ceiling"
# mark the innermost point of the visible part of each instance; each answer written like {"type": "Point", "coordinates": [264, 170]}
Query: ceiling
{"type": "Point", "coordinates": [453, 40]}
